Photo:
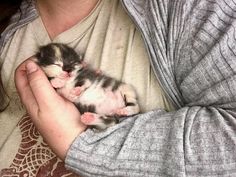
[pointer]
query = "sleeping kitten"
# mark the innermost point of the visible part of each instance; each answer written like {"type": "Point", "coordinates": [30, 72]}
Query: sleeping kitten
{"type": "Point", "coordinates": [100, 99]}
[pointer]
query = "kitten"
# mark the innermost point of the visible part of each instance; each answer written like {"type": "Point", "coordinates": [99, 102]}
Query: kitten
{"type": "Point", "coordinates": [101, 100]}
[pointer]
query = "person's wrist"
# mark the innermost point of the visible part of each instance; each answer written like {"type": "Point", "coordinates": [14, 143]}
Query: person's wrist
{"type": "Point", "coordinates": [74, 134]}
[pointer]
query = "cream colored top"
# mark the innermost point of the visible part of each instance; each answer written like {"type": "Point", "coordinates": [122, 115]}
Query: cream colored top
{"type": "Point", "coordinates": [109, 41]}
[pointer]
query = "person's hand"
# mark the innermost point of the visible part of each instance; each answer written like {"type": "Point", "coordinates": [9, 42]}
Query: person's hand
{"type": "Point", "coordinates": [57, 119]}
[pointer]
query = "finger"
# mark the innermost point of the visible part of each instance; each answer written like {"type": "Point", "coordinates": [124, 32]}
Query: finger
{"type": "Point", "coordinates": [42, 90]}
{"type": "Point", "coordinates": [24, 90]}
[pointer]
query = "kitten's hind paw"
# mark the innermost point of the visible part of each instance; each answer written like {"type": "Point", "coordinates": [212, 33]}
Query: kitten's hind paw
{"type": "Point", "coordinates": [128, 110]}
{"type": "Point", "coordinates": [97, 121]}
{"type": "Point", "coordinates": [89, 118]}
{"type": "Point", "coordinates": [121, 112]}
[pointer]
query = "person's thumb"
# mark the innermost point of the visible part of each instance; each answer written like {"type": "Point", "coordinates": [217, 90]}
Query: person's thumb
{"type": "Point", "coordinates": [36, 78]}
{"type": "Point", "coordinates": [40, 85]}
{"type": "Point", "coordinates": [31, 67]}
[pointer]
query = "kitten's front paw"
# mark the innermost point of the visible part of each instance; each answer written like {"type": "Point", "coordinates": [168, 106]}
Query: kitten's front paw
{"type": "Point", "coordinates": [58, 83]}
{"type": "Point", "coordinates": [74, 94]}
{"type": "Point", "coordinates": [76, 91]}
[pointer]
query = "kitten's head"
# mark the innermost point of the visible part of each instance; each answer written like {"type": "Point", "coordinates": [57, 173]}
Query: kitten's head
{"type": "Point", "coordinates": [56, 58]}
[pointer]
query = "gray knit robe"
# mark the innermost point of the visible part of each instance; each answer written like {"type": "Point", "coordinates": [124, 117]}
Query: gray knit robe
{"type": "Point", "coordinates": [191, 44]}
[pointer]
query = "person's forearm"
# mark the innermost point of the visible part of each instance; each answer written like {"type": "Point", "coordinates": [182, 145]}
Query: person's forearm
{"type": "Point", "coordinates": [159, 144]}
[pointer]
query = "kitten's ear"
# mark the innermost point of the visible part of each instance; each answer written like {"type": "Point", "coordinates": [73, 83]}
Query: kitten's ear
{"type": "Point", "coordinates": [81, 57]}
{"type": "Point", "coordinates": [40, 53]}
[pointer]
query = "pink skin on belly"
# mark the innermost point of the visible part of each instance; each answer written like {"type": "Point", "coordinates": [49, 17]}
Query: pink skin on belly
{"type": "Point", "coordinates": [113, 104]}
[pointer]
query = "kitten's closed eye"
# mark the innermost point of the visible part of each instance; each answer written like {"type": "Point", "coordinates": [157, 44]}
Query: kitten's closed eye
{"type": "Point", "coordinates": [59, 65]}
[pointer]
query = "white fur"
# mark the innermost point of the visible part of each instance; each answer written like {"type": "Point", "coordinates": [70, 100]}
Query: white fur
{"type": "Point", "coordinates": [53, 70]}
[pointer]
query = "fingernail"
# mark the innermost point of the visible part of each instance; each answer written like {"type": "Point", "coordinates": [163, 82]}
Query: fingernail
{"type": "Point", "coordinates": [31, 67]}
